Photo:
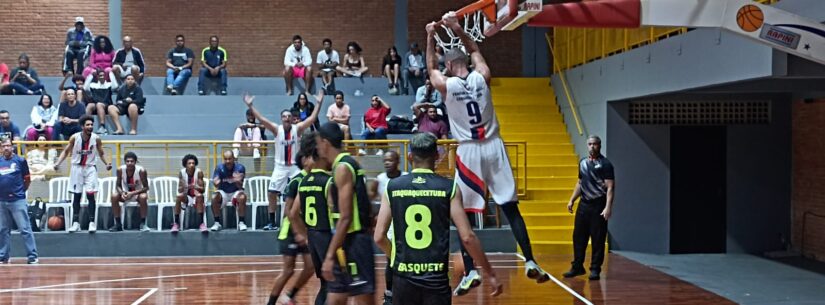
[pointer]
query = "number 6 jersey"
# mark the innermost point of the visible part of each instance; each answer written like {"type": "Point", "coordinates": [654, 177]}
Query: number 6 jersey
{"type": "Point", "coordinates": [470, 108]}
{"type": "Point", "coordinates": [420, 204]}
{"type": "Point", "coordinates": [314, 188]}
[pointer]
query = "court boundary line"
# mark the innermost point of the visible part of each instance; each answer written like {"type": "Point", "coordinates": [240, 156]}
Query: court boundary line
{"type": "Point", "coordinates": [562, 285]}
{"type": "Point", "coordinates": [145, 296]}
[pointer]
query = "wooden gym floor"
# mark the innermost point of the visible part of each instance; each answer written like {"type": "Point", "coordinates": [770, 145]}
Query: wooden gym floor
{"type": "Point", "coordinates": [248, 280]}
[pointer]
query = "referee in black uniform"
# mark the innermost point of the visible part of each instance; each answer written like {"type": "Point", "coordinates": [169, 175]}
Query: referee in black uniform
{"type": "Point", "coordinates": [420, 206]}
{"type": "Point", "coordinates": [595, 187]}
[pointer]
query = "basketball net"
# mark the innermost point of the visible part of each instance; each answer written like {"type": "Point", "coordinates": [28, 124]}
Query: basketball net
{"type": "Point", "coordinates": [473, 25]}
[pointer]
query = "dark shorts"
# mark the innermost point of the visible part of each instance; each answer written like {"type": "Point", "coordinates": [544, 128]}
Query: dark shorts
{"type": "Point", "coordinates": [318, 242]}
{"type": "Point", "coordinates": [94, 109]}
{"type": "Point", "coordinates": [358, 276]}
{"type": "Point", "coordinates": [405, 292]}
{"type": "Point", "coordinates": [290, 248]}
{"type": "Point", "coordinates": [123, 109]}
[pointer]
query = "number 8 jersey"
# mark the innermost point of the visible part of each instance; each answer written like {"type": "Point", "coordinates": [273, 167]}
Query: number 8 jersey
{"type": "Point", "coordinates": [420, 204]}
{"type": "Point", "coordinates": [470, 108]}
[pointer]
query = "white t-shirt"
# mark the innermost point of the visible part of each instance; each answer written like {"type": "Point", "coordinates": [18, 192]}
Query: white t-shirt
{"type": "Point", "coordinates": [292, 56]}
{"type": "Point", "coordinates": [382, 183]}
{"type": "Point", "coordinates": [324, 57]}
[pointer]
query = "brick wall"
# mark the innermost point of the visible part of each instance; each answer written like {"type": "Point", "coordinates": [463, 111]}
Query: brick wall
{"type": "Point", "coordinates": [809, 176]}
{"type": "Point", "coordinates": [502, 51]}
{"type": "Point", "coordinates": [256, 32]}
{"type": "Point", "coordinates": [38, 28]}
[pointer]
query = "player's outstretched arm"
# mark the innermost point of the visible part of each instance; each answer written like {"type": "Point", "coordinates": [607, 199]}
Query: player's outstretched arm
{"type": "Point", "coordinates": [382, 226]}
{"type": "Point", "coordinates": [450, 20]}
{"type": "Point", "coordinates": [470, 241]}
{"type": "Point", "coordinates": [319, 98]}
{"type": "Point", "coordinates": [64, 153]}
{"type": "Point", "coordinates": [437, 79]}
{"type": "Point", "coordinates": [248, 99]}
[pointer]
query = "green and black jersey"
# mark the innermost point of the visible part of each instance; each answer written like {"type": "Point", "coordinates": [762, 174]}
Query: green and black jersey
{"type": "Point", "coordinates": [314, 189]}
{"type": "Point", "coordinates": [291, 192]}
{"type": "Point", "coordinates": [361, 206]}
{"type": "Point", "coordinates": [420, 204]}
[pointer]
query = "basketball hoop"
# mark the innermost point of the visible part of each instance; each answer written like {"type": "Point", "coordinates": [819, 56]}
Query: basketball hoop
{"type": "Point", "coordinates": [484, 18]}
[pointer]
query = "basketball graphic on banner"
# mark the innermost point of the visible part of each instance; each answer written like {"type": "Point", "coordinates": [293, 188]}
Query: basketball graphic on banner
{"type": "Point", "coordinates": [750, 18]}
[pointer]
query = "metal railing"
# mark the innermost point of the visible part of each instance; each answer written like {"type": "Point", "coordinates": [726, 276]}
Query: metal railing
{"type": "Point", "coordinates": [577, 46]}
{"type": "Point", "coordinates": [163, 157]}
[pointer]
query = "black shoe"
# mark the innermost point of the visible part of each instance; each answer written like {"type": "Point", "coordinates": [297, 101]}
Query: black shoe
{"type": "Point", "coordinates": [594, 276]}
{"type": "Point", "coordinates": [116, 228]}
{"type": "Point", "coordinates": [573, 273]}
{"type": "Point", "coordinates": [387, 300]}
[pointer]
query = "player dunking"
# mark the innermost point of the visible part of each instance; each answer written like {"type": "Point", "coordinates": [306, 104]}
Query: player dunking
{"type": "Point", "coordinates": [83, 179]}
{"type": "Point", "coordinates": [481, 161]}
{"type": "Point", "coordinates": [420, 206]}
{"type": "Point", "coordinates": [286, 146]}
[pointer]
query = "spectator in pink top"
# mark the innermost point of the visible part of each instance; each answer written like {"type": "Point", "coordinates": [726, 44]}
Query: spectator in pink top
{"type": "Point", "coordinates": [375, 122]}
{"type": "Point", "coordinates": [103, 53]}
{"type": "Point", "coordinates": [339, 113]}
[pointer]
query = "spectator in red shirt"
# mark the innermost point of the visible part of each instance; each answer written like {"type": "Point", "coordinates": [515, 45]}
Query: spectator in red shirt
{"type": "Point", "coordinates": [375, 122]}
{"type": "Point", "coordinates": [428, 120]}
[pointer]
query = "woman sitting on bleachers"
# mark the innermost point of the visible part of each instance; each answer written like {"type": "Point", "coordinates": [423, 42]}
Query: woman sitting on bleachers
{"type": "Point", "coordinates": [303, 107]}
{"type": "Point", "coordinates": [103, 53]}
{"type": "Point", "coordinates": [43, 116]}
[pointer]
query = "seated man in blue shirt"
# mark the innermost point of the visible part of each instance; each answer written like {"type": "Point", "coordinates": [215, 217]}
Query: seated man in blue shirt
{"type": "Point", "coordinates": [228, 180]}
{"type": "Point", "coordinates": [213, 64]}
{"type": "Point", "coordinates": [7, 128]}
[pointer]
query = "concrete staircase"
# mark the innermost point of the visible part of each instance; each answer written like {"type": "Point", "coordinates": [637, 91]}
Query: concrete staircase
{"type": "Point", "coordinates": [527, 111]}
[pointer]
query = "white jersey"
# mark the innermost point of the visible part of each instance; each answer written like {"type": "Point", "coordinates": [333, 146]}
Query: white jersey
{"type": "Point", "coordinates": [382, 183]}
{"type": "Point", "coordinates": [470, 108]}
{"type": "Point", "coordinates": [286, 146]}
{"type": "Point", "coordinates": [84, 152]}
{"type": "Point", "coordinates": [132, 183]}
{"type": "Point", "coordinates": [189, 180]}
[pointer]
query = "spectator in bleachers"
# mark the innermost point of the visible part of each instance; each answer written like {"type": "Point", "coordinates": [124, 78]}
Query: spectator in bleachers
{"type": "Point", "coordinates": [76, 84]}
{"type": "Point", "coordinates": [68, 115]}
{"type": "Point", "coordinates": [339, 113]}
{"type": "Point", "coordinates": [190, 192]}
{"type": "Point", "coordinates": [7, 128]}
{"type": "Point", "coordinates": [130, 102]}
{"type": "Point", "coordinates": [44, 116]}
{"type": "Point", "coordinates": [128, 60]}
{"type": "Point", "coordinates": [25, 79]}
{"type": "Point", "coordinates": [228, 181]}
{"type": "Point", "coordinates": [302, 109]}
{"type": "Point", "coordinates": [428, 95]}
{"type": "Point", "coordinates": [353, 64]}
{"type": "Point", "coordinates": [213, 64]}
{"type": "Point", "coordinates": [328, 60]}
{"type": "Point", "coordinates": [103, 53]}
{"type": "Point", "coordinates": [4, 79]}
{"type": "Point", "coordinates": [78, 43]}
{"type": "Point", "coordinates": [179, 65]}
{"type": "Point", "coordinates": [428, 120]}
{"type": "Point", "coordinates": [375, 122]}
{"type": "Point", "coordinates": [297, 64]}
{"type": "Point", "coordinates": [41, 161]}
{"type": "Point", "coordinates": [391, 67]}
{"type": "Point", "coordinates": [132, 185]}
{"type": "Point", "coordinates": [100, 96]}
{"type": "Point", "coordinates": [414, 67]}
{"type": "Point", "coordinates": [249, 131]}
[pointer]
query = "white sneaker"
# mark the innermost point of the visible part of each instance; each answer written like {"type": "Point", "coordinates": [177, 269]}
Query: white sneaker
{"type": "Point", "coordinates": [358, 92]}
{"type": "Point", "coordinates": [144, 228]}
{"type": "Point", "coordinates": [362, 152]}
{"type": "Point", "coordinates": [215, 227]}
{"type": "Point", "coordinates": [241, 226]}
{"type": "Point", "coordinates": [236, 152]}
{"type": "Point", "coordinates": [75, 227]}
{"type": "Point", "coordinates": [256, 154]}
{"type": "Point", "coordinates": [379, 152]}
{"type": "Point", "coordinates": [533, 271]}
{"type": "Point", "coordinates": [92, 227]}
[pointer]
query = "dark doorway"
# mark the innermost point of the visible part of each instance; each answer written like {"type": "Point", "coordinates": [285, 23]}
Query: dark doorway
{"type": "Point", "coordinates": [697, 189]}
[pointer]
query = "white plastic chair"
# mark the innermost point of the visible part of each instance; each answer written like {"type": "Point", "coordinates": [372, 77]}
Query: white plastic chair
{"type": "Point", "coordinates": [165, 192]}
{"type": "Point", "coordinates": [105, 189]}
{"type": "Point", "coordinates": [59, 197]}
{"type": "Point", "coordinates": [206, 205]}
{"type": "Point", "coordinates": [256, 189]}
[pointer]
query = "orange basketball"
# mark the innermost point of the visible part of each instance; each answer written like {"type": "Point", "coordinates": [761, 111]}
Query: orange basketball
{"type": "Point", "coordinates": [750, 18]}
{"type": "Point", "coordinates": [55, 223]}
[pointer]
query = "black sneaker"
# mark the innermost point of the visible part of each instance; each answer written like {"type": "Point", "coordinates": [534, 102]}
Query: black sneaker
{"type": "Point", "coordinates": [573, 273]}
{"type": "Point", "coordinates": [33, 261]}
{"type": "Point", "coordinates": [594, 276]}
{"type": "Point", "coordinates": [116, 228]}
{"type": "Point", "coordinates": [269, 227]}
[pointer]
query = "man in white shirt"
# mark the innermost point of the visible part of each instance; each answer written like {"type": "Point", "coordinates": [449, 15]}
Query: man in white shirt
{"type": "Point", "coordinates": [297, 64]}
{"type": "Point", "coordinates": [414, 68]}
{"type": "Point", "coordinates": [327, 59]}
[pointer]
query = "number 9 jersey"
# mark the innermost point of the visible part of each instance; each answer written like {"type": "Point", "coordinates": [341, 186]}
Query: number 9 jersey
{"type": "Point", "coordinates": [420, 204]}
{"type": "Point", "coordinates": [470, 108]}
